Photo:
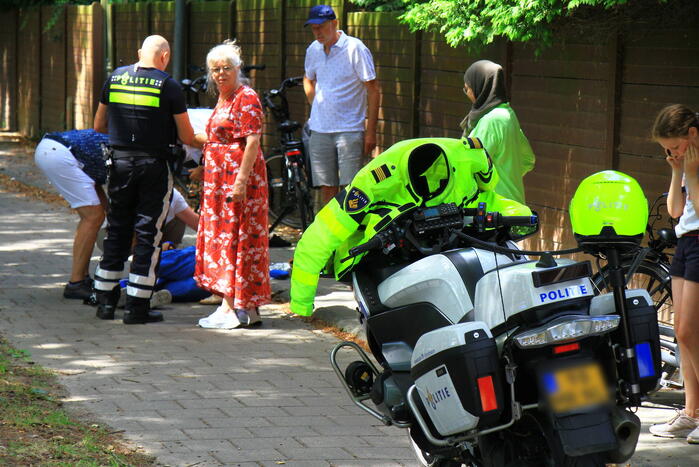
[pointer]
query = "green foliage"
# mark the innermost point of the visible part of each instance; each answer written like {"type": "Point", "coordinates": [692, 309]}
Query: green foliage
{"type": "Point", "coordinates": [14, 4]}
{"type": "Point", "coordinates": [480, 22]}
{"type": "Point", "coordinates": [380, 5]}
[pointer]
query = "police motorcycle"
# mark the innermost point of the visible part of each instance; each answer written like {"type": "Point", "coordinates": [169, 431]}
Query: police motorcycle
{"type": "Point", "coordinates": [489, 358]}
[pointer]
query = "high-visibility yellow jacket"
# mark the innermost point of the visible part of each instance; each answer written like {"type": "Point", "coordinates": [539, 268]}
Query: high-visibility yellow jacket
{"type": "Point", "coordinates": [412, 173]}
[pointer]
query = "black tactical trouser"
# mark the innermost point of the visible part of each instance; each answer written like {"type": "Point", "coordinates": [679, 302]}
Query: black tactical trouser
{"type": "Point", "coordinates": [140, 187]}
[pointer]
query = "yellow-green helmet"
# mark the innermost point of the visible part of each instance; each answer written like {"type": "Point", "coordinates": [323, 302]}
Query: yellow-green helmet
{"type": "Point", "coordinates": [609, 206]}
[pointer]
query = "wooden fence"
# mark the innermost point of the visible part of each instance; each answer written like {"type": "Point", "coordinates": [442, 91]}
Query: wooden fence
{"type": "Point", "coordinates": [586, 105]}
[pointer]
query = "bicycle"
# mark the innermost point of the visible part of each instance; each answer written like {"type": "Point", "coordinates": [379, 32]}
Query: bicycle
{"type": "Point", "coordinates": [290, 200]}
{"type": "Point", "coordinates": [649, 268]}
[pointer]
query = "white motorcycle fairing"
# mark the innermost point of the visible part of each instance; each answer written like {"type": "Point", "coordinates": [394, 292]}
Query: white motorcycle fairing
{"type": "Point", "coordinates": [447, 281]}
{"type": "Point", "coordinates": [508, 291]}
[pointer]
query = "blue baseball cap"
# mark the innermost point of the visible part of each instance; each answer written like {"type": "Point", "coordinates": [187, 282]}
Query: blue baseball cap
{"type": "Point", "coordinates": [320, 14]}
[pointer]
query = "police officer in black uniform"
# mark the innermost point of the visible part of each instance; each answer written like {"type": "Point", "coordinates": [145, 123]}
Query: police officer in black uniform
{"type": "Point", "coordinates": [143, 110]}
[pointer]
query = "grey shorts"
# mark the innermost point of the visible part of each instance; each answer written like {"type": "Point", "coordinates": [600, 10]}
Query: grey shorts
{"type": "Point", "coordinates": [335, 157]}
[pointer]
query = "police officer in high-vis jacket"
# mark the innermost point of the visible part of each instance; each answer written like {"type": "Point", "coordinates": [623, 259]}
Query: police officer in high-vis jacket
{"type": "Point", "coordinates": [412, 173]}
{"type": "Point", "coordinates": [143, 110]}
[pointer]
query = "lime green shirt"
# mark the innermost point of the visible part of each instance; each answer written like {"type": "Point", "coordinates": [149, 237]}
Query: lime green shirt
{"type": "Point", "coordinates": [506, 144]}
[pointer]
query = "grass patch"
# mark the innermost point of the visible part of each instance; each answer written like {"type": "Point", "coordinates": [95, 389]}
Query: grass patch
{"type": "Point", "coordinates": [36, 430]}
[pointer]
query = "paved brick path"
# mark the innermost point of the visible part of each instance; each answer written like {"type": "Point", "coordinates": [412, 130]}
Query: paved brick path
{"type": "Point", "coordinates": [200, 397]}
{"type": "Point", "coordinates": [187, 395]}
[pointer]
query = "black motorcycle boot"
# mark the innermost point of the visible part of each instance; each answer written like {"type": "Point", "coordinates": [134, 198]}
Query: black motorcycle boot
{"type": "Point", "coordinates": [138, 311]}
{"type": "Point", "coordinates": [107, 302]}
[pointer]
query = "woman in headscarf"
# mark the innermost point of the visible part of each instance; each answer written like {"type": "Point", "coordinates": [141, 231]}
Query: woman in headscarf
{"type": "Point", "coordinates": [493, 121]}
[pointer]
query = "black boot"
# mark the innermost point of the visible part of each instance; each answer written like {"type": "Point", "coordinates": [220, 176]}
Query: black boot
{"type": "Point", "coordinates": [138, 312]}
{"type": "Point", "coordinates": [107, 303]}
{"type": "Point", "coordinates": [105, 311]}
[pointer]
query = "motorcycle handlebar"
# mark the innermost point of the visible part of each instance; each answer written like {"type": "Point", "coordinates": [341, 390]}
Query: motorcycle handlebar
{"type": "Point", "coordinates": [495, 219]}
{"type": "Point", "coordinates": [481, 219]}
{"type": "Point", "coordinates": [374, 243]}
{"type": "Point", "coordinates": [519, 220]}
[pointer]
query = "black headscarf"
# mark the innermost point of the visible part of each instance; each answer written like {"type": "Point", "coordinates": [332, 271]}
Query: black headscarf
{"type": "Point", "coordinates": [487, 81]}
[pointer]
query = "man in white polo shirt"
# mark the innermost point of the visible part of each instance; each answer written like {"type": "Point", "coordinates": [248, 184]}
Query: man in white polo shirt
{"type": "Point", "coordinates": [340, 84]}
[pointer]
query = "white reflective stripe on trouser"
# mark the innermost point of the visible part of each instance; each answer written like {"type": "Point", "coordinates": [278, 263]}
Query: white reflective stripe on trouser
{"type": "Point", "coordinates": [140, 293]}
{"type": "Point", "coordinates": [109, 275]}
{"type": "Point", "coordinates": [159, 224]}
{"type": "Point", "coordinates": [142, 280]}
{"type": "Point", "coordinates": [105, 286]}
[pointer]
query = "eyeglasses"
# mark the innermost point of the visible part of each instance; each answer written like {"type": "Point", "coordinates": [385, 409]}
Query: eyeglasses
{"type": "Point", "coordinates": [219, 69]}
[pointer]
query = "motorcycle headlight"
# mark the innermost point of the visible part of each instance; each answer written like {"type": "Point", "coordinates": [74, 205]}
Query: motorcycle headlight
{"type": "Point", "coordinates": [567, 328]}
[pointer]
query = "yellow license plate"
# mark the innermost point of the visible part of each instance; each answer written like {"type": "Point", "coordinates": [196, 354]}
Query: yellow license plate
{"type": "Point", "coordinates": [575, 387]}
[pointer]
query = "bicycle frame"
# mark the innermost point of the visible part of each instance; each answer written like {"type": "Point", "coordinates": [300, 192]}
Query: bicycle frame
{"type": "Point", "coordinates": [295, 207]}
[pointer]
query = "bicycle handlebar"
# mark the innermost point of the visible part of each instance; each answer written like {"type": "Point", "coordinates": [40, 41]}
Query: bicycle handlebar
{"type": "Point", "coordinates": [246, 68]}
{"type": "Point", "coordinates": [199, 84]}
{"type": "Point", "coordinates": [281, 110]}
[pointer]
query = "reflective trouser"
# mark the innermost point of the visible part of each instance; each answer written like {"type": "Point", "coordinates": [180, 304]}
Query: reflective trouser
{"type": "Point", "coordinates": [140, 187]}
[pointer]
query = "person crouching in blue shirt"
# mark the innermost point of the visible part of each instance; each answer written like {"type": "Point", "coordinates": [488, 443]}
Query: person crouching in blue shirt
{"type": "Point", "coordinates": [73, 163]}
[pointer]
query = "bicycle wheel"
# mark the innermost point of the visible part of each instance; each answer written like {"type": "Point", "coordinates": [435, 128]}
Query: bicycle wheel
{"type": "Point", "coordinates": [288, 198]}
{"type": "Point", "coordinates": [304, 201]}
{"type": "Point", "coordinates": [651, 276]}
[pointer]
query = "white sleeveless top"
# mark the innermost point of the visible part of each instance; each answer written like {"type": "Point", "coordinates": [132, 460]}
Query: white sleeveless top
{"type": "Point", "coordinates": [689, 220]}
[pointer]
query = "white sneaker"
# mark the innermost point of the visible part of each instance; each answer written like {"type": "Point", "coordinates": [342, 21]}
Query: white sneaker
{"type": "Point", "coordinates": [248, 316]}
{"type": "Point", "coordinates": [160, 298]}
{"type": "Point", "coordinates": [679, 426]}
{"type": "Point", "coordinates": [220, 319]}
{"type": "Point", "coordinates": [693, 437]}
{"type": "Point", "coordinates": [214, 317]}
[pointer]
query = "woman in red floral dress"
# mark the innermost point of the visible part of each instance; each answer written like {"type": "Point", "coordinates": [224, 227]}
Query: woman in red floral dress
{"type": "Point", "coordinates": [232, 242]}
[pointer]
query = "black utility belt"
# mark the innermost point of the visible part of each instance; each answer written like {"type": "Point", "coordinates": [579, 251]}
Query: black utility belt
{"type": "Point", "coordinates": [130, 153]}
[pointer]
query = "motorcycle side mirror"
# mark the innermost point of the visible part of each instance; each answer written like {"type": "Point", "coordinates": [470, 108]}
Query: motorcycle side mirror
{"type": "Point", "coordinates": [518, 232]}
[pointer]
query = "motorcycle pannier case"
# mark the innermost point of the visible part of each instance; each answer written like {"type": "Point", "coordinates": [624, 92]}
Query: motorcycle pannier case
{"type": "Point", "coordinates": [644, 333]}
{"type": "Point", "coordinates": [458, 377]}
{"type": "Point", "coordinates": [645, 339]}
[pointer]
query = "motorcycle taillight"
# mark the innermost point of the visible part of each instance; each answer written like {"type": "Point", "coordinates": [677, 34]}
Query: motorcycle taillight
{"type": "Point", "coordinates": [559, 349]}
{"type": "Point", "coordinates": [293, 153]}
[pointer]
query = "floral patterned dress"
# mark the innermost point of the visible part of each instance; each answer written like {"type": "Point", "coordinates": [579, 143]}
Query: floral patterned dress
{"type": "Point", "coordinates": [232, 240]}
